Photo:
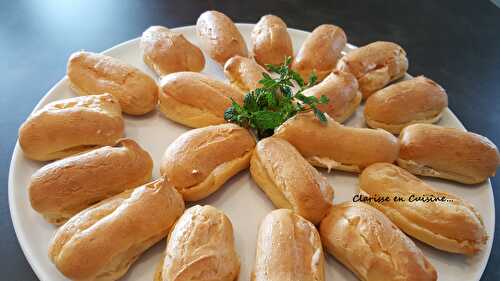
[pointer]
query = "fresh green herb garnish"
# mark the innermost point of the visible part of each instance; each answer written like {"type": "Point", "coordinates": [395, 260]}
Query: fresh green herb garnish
{"type": "Point", "coordinates": [267, 107]}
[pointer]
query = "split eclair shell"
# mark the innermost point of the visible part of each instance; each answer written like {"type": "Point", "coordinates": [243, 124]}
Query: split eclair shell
{"type": "Point", "coordinates": [63, 188]}
{"type": "Point", "coordinates": [341, 88]}
{"type": "Point", "coordinates": [200, 161]}
{"type": "Point", "coordinates": [320, 52]}
{"type": "Point", "coordinates": [166, 51]}
{"type": "Point", "coordinates": [447, 153]}
{"type": "Point", "coordinates": [91, 73]}
{"type": "Point", "coordinates": [371, 246]}
{"type": "Point", "coordinates": [244, 73]}
{"type": "Point", "coordinates": [417, 100]}
{"type": "Point", "coordinates": [271, 43]}
{"type": "Point", "coordinates": [219, 37]}
{"type": "Point", "coordinates": [288, 248]}
{"type": "Point", "coordinates": [196, 100]}
{"type": "Point", "coordinates": [200, 247]}
{"type": "Point", "coordinates": [289, 180]}
{"type": "Point", "coordinates": [334, 146]}
{"type": "Point", "coordinates": [101, 242]}
{"type": "Point", "coordinates": [375, 65]}
{"type": "Point", "coordinates": [70, 126]}
{"type": "Point", "coordinates": [452, 225]}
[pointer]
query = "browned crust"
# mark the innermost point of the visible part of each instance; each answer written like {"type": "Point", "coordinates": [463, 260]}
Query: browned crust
{"type": "Point", "coordinates": [219, 37]}
{"type": "Point", "coordinates": [288, 248]}
{"type": "Point", "coordinates": [453, 226]}
{"type": "Point", "coordinates": [201, 160]}
{"type": "Point", "coordinates": [341, 88]}
{"type": "Point", "coordinates": [112, 234]}
{"type": "Point", "coordinates": [166, 51]}
{"type": "Point", "coordinates": [244, 73]}
{"type": "Point", "coordinates": [320, 51]}
{"type": "Point", "coordinates": [271, 42]}
{"type": "Point", "coordinates": [196, 100]}
{"type": "Point", "coordinates": [200, 244]}
{"type": "Point", "coordinates": [371, 246]}
{"type": "Point", "coordinates": [289, 180]}
{"type": "Point", "coordinates": [417, 100]}
{"type": "Point", "coordinates": [91, 73]}
{"type": "Point", "coordinates": [61, 189]}
{"type": "Point", "coordinates": [375, 65]}
{"type": "Point", "coordinates": [448, 153]}
{"type": "Point", "coordinates": [71, 126]}
{"type": "Point", "coordinates": [334, 146]}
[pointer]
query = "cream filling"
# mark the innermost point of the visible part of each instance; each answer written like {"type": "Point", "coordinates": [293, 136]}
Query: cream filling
{"type": "Point", "coordinates": [332, 164]}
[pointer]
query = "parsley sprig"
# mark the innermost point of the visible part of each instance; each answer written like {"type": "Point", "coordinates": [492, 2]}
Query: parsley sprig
{"type": "Point", "coordinates": [267, 107]}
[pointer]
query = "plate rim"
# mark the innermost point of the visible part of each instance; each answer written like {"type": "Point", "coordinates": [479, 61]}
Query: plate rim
{"type": "Point", "coordinates": [16, 220]}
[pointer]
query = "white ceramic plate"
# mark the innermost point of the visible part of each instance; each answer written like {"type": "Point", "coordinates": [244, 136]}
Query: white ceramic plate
{"type": "Point", "coordinates": [239, 198]}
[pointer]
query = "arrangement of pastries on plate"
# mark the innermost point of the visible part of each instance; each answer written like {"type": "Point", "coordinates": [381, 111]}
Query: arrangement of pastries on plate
{"type": "Point", "coordinates": [99, 189]}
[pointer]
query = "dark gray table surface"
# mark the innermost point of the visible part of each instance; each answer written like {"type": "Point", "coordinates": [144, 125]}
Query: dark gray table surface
{"type": "Point", "coordinates": [456, 43]}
